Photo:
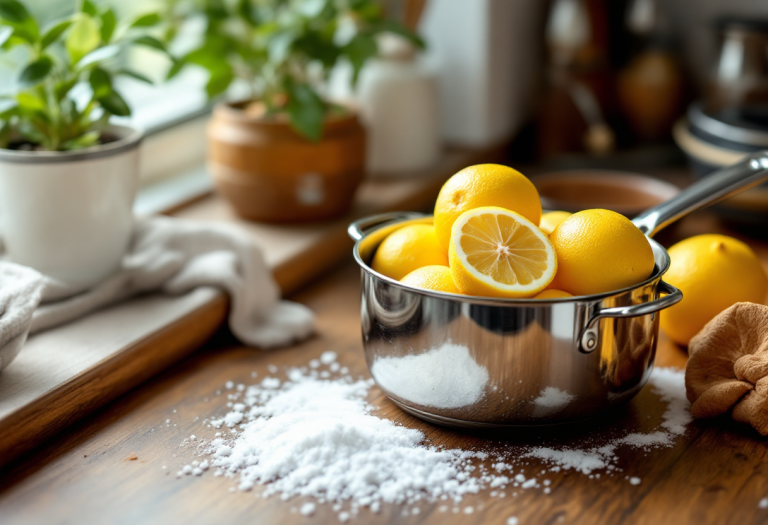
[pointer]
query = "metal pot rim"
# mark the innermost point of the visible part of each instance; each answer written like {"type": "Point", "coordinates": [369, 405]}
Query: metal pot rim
{"type": "Point", "coordinates": [657, 274]}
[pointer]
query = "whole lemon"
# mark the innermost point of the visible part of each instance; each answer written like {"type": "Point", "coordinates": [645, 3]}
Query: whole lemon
{"type": "Point", "coordinates": [599, 251]}
{"type": "Point", "coordinates": [551, 293]}
{"type": "Point", "coordinates": [484, 185]}
{"type": "Point", "coordinates": [407, 249]}
{"type": "Point", "coordinates": [714, 272]}
{"type": "Point", "coordinates": [551, 219]}
{"type": "Point", "coordinates": [437, 278]}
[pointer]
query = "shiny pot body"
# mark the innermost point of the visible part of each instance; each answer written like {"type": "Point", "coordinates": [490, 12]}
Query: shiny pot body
{"type": "Point", "coordinates": [470, 361]}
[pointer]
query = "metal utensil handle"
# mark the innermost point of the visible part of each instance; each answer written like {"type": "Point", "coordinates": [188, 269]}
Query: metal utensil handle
{"type": "Point", "coordinates": [358, 229]}
{"type": "Point", "coordinates": [713, 188]}
{"type": "Point", "coordinates": [589, 336]}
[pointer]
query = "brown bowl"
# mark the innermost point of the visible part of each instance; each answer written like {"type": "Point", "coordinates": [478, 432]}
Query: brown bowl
{"type": "Point", "coordinates": [620, 191]}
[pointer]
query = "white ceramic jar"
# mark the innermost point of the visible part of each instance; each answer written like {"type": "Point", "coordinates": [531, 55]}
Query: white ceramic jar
{"type": "Point", "coordinates": [399, 107]}
{"type": "Point", "coordinates": [69, 215]}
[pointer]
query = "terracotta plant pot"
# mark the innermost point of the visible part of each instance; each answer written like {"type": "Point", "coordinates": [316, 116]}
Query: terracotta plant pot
{"type": "Point", "coordinates": [270, 173]}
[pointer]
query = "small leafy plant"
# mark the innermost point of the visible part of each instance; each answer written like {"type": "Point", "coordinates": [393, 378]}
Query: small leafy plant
{"type": "Point", "coordinates": [65, 91]}
{"type": "Point", "coordinates": [283, 49]}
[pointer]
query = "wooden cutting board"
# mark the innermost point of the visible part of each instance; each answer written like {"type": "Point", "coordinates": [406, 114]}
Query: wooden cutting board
{"type": "Point", "coordinates": [64, 373]}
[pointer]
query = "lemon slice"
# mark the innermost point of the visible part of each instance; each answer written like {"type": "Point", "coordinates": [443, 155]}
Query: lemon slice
{"type": "Point", "coordinates": [499, 253]}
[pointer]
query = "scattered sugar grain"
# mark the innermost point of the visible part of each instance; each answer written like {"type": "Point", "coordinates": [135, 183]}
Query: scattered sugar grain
{"type": "Point", "coordinates": [314, 363]}
{"type": "Point", "coordinates": [512, 520]}
{"type": "Point", "coordinates": [763, 503]}
{"type": "Point", "coordinates": [634, 481]}
{"type": "Point", "coordinates": [328, 357]}
{"type": "Point", "coordinates": [553, 398]}
{"type": "Point", "coordinates": [307, 509]}
{"type": "Point", "coordinates": [529, 484]}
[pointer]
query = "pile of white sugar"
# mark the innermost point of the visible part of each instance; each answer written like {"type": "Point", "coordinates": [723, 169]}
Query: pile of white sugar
{"type": "Point", "coordinates": [311, 434]}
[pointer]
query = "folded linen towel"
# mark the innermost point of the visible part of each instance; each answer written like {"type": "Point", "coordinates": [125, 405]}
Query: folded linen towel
{"type": "Point", "coordinates": [166, 255]}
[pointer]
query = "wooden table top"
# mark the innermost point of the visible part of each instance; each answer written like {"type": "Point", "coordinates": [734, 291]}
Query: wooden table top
{"type": "Point", "coordinates": [109, 467]}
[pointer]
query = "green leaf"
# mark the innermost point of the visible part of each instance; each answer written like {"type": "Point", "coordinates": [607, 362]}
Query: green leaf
{"type": "Point", "coordinates": [36, 71]}
{"type": "Point", "coordinates": [314, 46]}
{"type": "Point", "coordinates": [176, 67]}
{"type": "Point", "coordinates": [361, 48]}
{"type": "Point", "coordinates": [31, 133]}
{"type": "Point", "coordinates": [85, 140]}
{"type": "Point", "coordinates": [83, 37]}
{"type": "Point", "coordinates": [306, 111]}
{"type": "Point", "coordinates": [63, 87]}
{"type": "Point", "coordinates": [14, 11]}
{"type": "Point", "coordinates": [108, 24]}
{"type": "Point", "coordinates": [147, 20]}
{"type": "Point", "coordinates": [16, 15]}
{"type": "Point", "coordinates": [137, 76]}
{"type": "Point", "coordinates": [219, 81]}
{"type": "Point", "coordinates": [89, 8]}
{"type": "Point", "coordinates": [390, 26]}
{"type": "Point", "coordinates": [152, 42]}
{"type": "Point", "coordinates": [247, 12]}
{"type": "Point", "coordinates": [5, 34]}
{"type": "Point", "coordinates": [101, 82]}
{"type": "Point", "coordinates": [54, 33]}
{"type": "Point", "coordinates": [114, 104]}
{"type": "Point", "coordinates": [100, 54]}
{"type": "Point", "coordinates": [29, 102]}
{"type": "Point", "coordinates": [6, 130]}
{"type": "Point", "coordinates": [216, 10]}
{"type": "Point", "coordinates": [205, 56]}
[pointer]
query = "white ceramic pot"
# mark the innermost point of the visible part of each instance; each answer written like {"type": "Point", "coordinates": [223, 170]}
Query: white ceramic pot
{"type": "Point", "coordinates": [399, 108]}
{"type": "Point", "coordinates": [69, 214]}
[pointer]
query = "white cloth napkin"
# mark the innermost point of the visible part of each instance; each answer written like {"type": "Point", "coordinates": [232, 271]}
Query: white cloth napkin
{"type": "Point", "coordinates": [170, 256]}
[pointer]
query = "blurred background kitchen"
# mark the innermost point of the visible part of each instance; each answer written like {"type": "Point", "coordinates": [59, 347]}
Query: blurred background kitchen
{"type": "Point", "coordinates": [560, 89]}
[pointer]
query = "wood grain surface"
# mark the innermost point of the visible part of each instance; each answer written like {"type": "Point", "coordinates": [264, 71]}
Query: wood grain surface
{"type": "Point", "coordinates": [109, 468]}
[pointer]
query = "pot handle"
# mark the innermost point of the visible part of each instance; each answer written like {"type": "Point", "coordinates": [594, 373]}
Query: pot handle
{"type": "Point", "coordinates": [713, 188]}
{"type": "Point", "coordinates": [358, 229]}
{"type": "Point", "coordinates": [590, 336]}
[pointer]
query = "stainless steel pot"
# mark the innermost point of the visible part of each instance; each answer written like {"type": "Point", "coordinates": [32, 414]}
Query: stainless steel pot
{"type": "Point", "coordinates": [465, 361]}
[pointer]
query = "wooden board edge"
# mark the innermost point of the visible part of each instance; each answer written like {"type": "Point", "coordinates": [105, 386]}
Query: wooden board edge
{"type": "Point", "coordinates": [109, 379]}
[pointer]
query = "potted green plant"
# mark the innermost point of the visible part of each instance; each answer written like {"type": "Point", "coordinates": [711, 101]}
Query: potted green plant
{"type": "Point", "coordinates": [286, 153]}
{"type": "Point", "coordinates": [67, 176]}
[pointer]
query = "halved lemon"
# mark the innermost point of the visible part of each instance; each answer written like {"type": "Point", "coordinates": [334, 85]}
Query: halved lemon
{"type": "Point", "coordinates": [499, 253]}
